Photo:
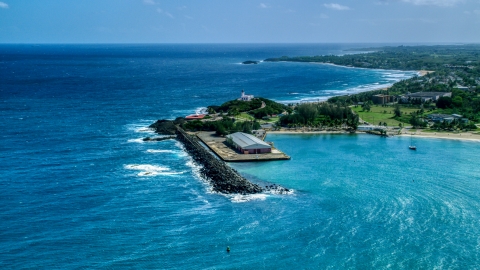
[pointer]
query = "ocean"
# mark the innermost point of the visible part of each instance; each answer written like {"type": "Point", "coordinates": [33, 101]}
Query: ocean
{"type": "Point", "coordinates": [80, 189]}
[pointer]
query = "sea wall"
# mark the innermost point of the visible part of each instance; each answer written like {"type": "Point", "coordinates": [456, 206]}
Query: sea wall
{"type": "Point", "coordinates": [223, 178]}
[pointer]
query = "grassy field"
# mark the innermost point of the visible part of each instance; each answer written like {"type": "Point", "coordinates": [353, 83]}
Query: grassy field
{"type": "Point", "coordinates": [382, 114]}
{"type": "Point", "coordinates": [246, 117]}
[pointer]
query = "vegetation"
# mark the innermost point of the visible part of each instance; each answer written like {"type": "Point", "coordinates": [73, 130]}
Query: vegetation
{"type": "Point", "coordinates": [379, 115]}
{"type": "Point", "coordinates": [321, 115]}
{"type": "Point", "coordinates": [223, 127]}
{"type": "Point", "coordinates": [453, 68]}
{"type": "Point", "coordinates": [243, 116]}
{"type": "Point", "coordinates": [253, 107]}
{"type": "Point", "coordinates": [402, 57]}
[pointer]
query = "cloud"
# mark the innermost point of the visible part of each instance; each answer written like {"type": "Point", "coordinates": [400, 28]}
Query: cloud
{"type": "Point", "coordinates": [442, 3]}
{"type": "Point", "coordinates": [323, 16]}
{"type": "Point", "coordinates": [262, 5]}
{"type": "Point", "coordinates": [149, 2]}
{"type": "Point", "coordinates": [3, 5]}
{"type": "Point", "coordinates": [161, 11]}
{"type": "Point", "coordinates": [336, 6]}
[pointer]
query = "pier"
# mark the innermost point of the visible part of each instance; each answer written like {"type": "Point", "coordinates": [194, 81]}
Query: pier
{"type": "Point", "coordinates": [223, 151]}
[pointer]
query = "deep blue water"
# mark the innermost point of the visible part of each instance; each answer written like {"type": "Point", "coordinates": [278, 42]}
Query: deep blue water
{"type": "Point", "coordinates": [80, 189]}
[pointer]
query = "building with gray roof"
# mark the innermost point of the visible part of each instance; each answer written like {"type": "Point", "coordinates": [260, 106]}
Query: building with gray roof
{"type": "Point", "coordinates": [248, 144]}
{"type": "Point", "coordinates": [426, 96]}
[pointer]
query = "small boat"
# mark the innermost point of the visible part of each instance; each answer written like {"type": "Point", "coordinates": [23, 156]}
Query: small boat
{"type": "Point", "coordinates": [412, 147]}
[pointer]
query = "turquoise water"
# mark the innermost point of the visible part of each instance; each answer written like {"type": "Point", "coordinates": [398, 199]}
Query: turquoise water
{"type": "Point", "coordinates": [364, 201]}
{"type": "Point", "coordinates": [80, 189]}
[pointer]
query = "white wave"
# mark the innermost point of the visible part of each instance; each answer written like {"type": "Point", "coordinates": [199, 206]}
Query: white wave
{"type": "Point", "coordinates": [247, 198]}
{"type": "Point", "coordinates": [160, 151]}
{"type": "Point", "coordinates": [138, 140]}
{"type": "Point", "coordinates": [151, 170]}
{"type": "Point", "coordinates": [397, 76]}
{"type": "Point", "coordinates": [144, 130]}
{"type": "Point", "coordinates": [141, 125]}
{"type": "Point", "coordinates": [146, 167]}
{"type": "Point", "coordinates": [275, 191]}
{"type": "Point", "coordinates": [201, 110]}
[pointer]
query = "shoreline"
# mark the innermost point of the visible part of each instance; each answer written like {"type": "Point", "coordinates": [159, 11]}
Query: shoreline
{"type": "Point", "coordinates": [420, 73]}
{"type": "Point", "coordinates": [463, 136]}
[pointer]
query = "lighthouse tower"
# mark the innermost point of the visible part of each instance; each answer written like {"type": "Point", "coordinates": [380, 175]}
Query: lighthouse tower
{"type": "Point", "coordinates": [244, 97]}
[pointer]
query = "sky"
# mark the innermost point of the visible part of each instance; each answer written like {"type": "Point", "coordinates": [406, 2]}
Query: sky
{"type": "Point", "coordinates": [239, 21]}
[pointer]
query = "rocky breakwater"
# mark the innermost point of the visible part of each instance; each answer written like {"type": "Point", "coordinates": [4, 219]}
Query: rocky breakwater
{"type": "Point", "coordinates": [223, 178]}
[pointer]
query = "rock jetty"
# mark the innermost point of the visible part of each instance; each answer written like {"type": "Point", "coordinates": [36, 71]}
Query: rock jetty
{"type": "Point", "coordinates": [222, 177]}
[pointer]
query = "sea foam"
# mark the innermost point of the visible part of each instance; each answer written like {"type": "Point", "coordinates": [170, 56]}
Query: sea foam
{"type": "Point", "coordinates": [151, 170]}
{"type": "Point", "coordinates": [160, 151]}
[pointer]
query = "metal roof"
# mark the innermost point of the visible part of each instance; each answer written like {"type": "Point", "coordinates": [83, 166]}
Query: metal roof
{"type": "Point", "coordinates": [246, 141]}
{"type": "Point", "coordinates": [428, 94]}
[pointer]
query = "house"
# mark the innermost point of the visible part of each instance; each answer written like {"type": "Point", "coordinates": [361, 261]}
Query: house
{"type": "Point", "coordinates": [448, 118]}
{"type": "Point", "coordinates": [425, 96]}
{"type": "Point", "coordinates": [195, 116]}
{"type": "Point", "coordinates": [382, 99]}
{"type": "Point", "coordinates": [463, 88]}
{"type": "Point", "coordinates": [248, 144]}
{"type": "Point", "coordinates": [245, 97]}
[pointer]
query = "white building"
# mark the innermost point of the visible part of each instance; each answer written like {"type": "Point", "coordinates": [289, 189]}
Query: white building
{"type": "Point", "coordinates": [245, 97]}
{"type": "Point", "coordinates": [248, 144]}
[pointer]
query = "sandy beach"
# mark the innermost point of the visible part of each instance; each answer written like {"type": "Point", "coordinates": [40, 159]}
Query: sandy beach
{"type": "Point", "coordinates": [306, 131]}
{"type": "Point", "coordinates": [464, 136]}
{"type": "Point", "coordinates": [424, 72]}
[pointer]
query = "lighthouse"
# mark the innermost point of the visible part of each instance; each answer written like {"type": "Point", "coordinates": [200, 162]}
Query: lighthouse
{"type": "Point", "coordinates": [244, 97]}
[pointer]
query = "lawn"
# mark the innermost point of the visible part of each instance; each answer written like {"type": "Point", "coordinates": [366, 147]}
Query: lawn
{"type": "Point", "coordinates": [379, 114]}
{"type": "Point", "coordinates": [247, 117]}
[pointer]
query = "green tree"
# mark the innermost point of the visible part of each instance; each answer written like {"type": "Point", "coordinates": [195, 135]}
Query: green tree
{"type": "Point", "coordinates": [397, 112]}
{"type": "Point", "coordinates": [366, 106]}
{"type": "Point", "coordinates": [444, 102]}
{"type": "Point", "coordinates": [457, 101]}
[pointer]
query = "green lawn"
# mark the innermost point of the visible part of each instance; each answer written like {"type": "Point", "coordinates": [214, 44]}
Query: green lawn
{"type": "Point", "coordinates": [247, 117]}
{"type": "Point", "coordinates": [244, 117]}
{"type": "Point", "coordinates": [383, 114]}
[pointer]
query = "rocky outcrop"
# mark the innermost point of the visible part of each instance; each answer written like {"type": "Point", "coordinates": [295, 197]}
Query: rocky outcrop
{"type": "Point", "coordinates": [223, 178]}
{"type": "Point", "coordinates": [167, 127]}
{"type": "Point", "coordinates": [250, 62]}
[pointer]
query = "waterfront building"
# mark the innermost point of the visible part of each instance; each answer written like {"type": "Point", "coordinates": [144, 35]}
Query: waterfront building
{"type": "Point", "coordinates": [245, 97]}
{"type": "Point", "coordinates": [248, 144]}
{"type": "Point", "coordinates": [448, 118]}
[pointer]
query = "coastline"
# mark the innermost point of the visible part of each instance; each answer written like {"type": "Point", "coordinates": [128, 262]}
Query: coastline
{"type": "Point", "coordinates": [384, 87]}
{"type": "Point", "coordinates": [463, 136]}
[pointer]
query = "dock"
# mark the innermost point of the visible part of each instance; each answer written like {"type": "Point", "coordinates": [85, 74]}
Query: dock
{"type": "Point", "coordinates": [218, 146]}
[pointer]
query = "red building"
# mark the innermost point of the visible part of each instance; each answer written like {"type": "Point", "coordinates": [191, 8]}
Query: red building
{"type": "Point", "coordinates": [195, 116]}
